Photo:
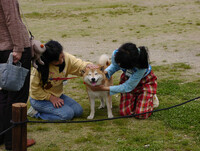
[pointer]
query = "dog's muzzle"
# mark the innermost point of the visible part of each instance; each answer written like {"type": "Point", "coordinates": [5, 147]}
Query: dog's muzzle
{"type": "Point", "coordinates": [93, 81]}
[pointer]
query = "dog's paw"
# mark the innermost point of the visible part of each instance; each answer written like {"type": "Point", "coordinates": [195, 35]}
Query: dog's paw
{"type": "Point", "coordinates": [110, 116]}
{"type": "Point", "coordinates": [90, 117]}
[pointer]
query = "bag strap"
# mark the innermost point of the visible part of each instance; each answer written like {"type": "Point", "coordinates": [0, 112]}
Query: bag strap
{"type": "Point", "coordinates": [10, 58]}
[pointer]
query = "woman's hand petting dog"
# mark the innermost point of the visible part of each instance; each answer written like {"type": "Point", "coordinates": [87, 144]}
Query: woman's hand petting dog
{"type": "Point", "coordinates": [57, 102]}
{"type": "Point", "coordinates": [98, 87]}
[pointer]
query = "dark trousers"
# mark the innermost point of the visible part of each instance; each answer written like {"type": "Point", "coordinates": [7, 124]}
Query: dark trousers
{"type": "Point", "coordinates": [7, 98]}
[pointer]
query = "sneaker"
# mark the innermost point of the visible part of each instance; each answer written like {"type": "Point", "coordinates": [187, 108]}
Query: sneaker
{"type": "Point", "coordinates": [155, 101]}
{"type": "Point", "coordinates": [31, 112]}
{"type": "Point", "coordinates": [30, 142]}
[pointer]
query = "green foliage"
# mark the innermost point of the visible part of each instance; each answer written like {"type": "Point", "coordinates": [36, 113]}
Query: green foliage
{"type": "Point", "coordinates": [174, 129]}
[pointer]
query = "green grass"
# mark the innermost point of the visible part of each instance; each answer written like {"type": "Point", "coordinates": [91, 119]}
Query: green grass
{"type": "Point", "coordinates": [105, 18]}
{"type": "Point", "coordinates": [156, 23]}
{"type": "Point", "coordinates": [174, 129]}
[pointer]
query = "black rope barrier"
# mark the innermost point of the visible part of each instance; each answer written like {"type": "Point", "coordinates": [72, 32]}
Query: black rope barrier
{"type": "Point", "coordinates": [97, 120]}
{"type": "Point", "coordinates": [7, 130]}
{"type": "Point", "coordinates": [19, 123]}
{"type": "Point", "coordinates": [119, 117]}
{"type": "Point", "coordinates": [14, 124]}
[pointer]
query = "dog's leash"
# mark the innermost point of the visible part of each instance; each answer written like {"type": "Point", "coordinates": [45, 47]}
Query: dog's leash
{"type": "Point", "coordinates": [58, 78]}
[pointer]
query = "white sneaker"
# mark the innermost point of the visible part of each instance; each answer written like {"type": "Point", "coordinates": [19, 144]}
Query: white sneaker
{"type": "Point", "coordinates": [31, 112]}
{"type": "Point", "coordinates": [155, 101]}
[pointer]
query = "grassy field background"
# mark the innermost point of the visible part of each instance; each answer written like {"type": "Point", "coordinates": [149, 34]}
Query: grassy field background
{"type": "Point", "coordinates": [88, 28]}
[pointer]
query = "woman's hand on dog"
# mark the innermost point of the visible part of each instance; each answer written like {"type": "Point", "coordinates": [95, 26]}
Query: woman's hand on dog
{"type": "Point", "coordinates": [57, 102]}
{"type": "Point", "coordinates": [105, 72]}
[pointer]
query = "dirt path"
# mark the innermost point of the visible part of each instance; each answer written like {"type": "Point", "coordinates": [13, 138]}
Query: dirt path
{"type": "Point", "coordinates": [88, 49]}
{"type": "Point", "coordinates": [170, 28]}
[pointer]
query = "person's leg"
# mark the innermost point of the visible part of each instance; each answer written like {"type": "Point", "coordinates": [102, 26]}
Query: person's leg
{"type": "Point", "coordinates": [3, 98]}
{"type": "Point", "coordinates": [127, 100]}
{"type": "Point", "coordinates": [18, 96]}
{"type": "Point", "coordinates": [127, 103]}
{"type": "Point", "coordinates": [47, 111]}
{"type": "Point", "coordinates": [147, 89]}
{"type": "Point", "coordinates": [144, 104]}
{"type": "Point", "coordinates": [78, 110]}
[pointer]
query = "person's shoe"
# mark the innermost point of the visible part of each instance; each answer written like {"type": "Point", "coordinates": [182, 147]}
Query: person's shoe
{"type": "Point", "coordinates": [30, 142]}
{"type": "Point", "coordinates": [31, 112]}
{"type": "Point", "coordinates": [155, 101]}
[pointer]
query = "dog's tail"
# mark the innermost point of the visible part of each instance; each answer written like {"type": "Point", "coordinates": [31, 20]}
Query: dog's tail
{"type": "Point", "coordinates": [104, 60]}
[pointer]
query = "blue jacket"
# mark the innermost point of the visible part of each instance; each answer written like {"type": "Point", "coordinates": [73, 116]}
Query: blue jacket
{"type": "Point", "coordinates": [135, 75]}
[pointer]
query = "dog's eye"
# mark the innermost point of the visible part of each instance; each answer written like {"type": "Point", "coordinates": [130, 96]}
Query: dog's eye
{"type": "Point", "coordinates": [95, 73]}
{"type": "Point", "coordinates": [89, 74]}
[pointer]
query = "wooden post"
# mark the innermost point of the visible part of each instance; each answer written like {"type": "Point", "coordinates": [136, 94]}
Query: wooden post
{"type": "Point", "coordinates": [19, 132]}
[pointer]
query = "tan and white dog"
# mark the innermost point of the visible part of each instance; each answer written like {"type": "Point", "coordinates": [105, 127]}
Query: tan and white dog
{"type": "Point", "coordinates": [95, 77]}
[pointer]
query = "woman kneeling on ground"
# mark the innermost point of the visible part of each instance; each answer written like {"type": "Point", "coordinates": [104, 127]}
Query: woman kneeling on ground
{"type": "Point", "coordinates": [46, 95]}
{"type": "Point", "coordinates": [138, 84]}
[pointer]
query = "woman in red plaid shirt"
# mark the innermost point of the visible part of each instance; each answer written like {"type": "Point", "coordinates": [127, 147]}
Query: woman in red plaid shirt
{"type": "Point", "coordinates": [138, 84]}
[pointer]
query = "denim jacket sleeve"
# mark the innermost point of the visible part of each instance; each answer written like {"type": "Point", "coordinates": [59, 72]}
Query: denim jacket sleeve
{"type": "Point", "coordinates": [113, 67]}
{"type": "Point", "coordinates": [130, 84]}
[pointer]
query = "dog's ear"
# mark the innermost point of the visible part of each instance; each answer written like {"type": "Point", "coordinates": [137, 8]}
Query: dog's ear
{"type": "Point", "coordinates": [102, 68]}
{"type": "Point", "coordinates": [82, 72]}
{"type": "Point", "coordinates": [108, 63]}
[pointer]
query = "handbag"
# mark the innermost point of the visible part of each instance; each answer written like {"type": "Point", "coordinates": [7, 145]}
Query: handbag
{"type": "Point", "coordinates": [12, 77]}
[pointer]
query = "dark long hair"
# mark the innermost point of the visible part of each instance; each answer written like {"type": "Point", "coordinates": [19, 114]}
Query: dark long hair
{"type": "Point", "coordinates": [129, 56]}
{"type": "Point", "coordinates": [52, 53]}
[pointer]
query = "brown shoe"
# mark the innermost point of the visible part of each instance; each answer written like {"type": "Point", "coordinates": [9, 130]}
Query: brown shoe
{"type": "Point", "coordinates": [30, 142]}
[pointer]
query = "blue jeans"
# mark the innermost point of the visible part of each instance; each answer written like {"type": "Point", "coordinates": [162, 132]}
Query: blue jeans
{"type": "Point", "coordinates": [47, 111]}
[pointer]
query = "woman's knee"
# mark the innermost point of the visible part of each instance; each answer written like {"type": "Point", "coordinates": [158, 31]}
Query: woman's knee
{"type": "Point", "coordinates": [32, 102]}
{"type": "Point", "coordinates": [67, 115]}
{"type": "Point", "coordinates": [78, 110]}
